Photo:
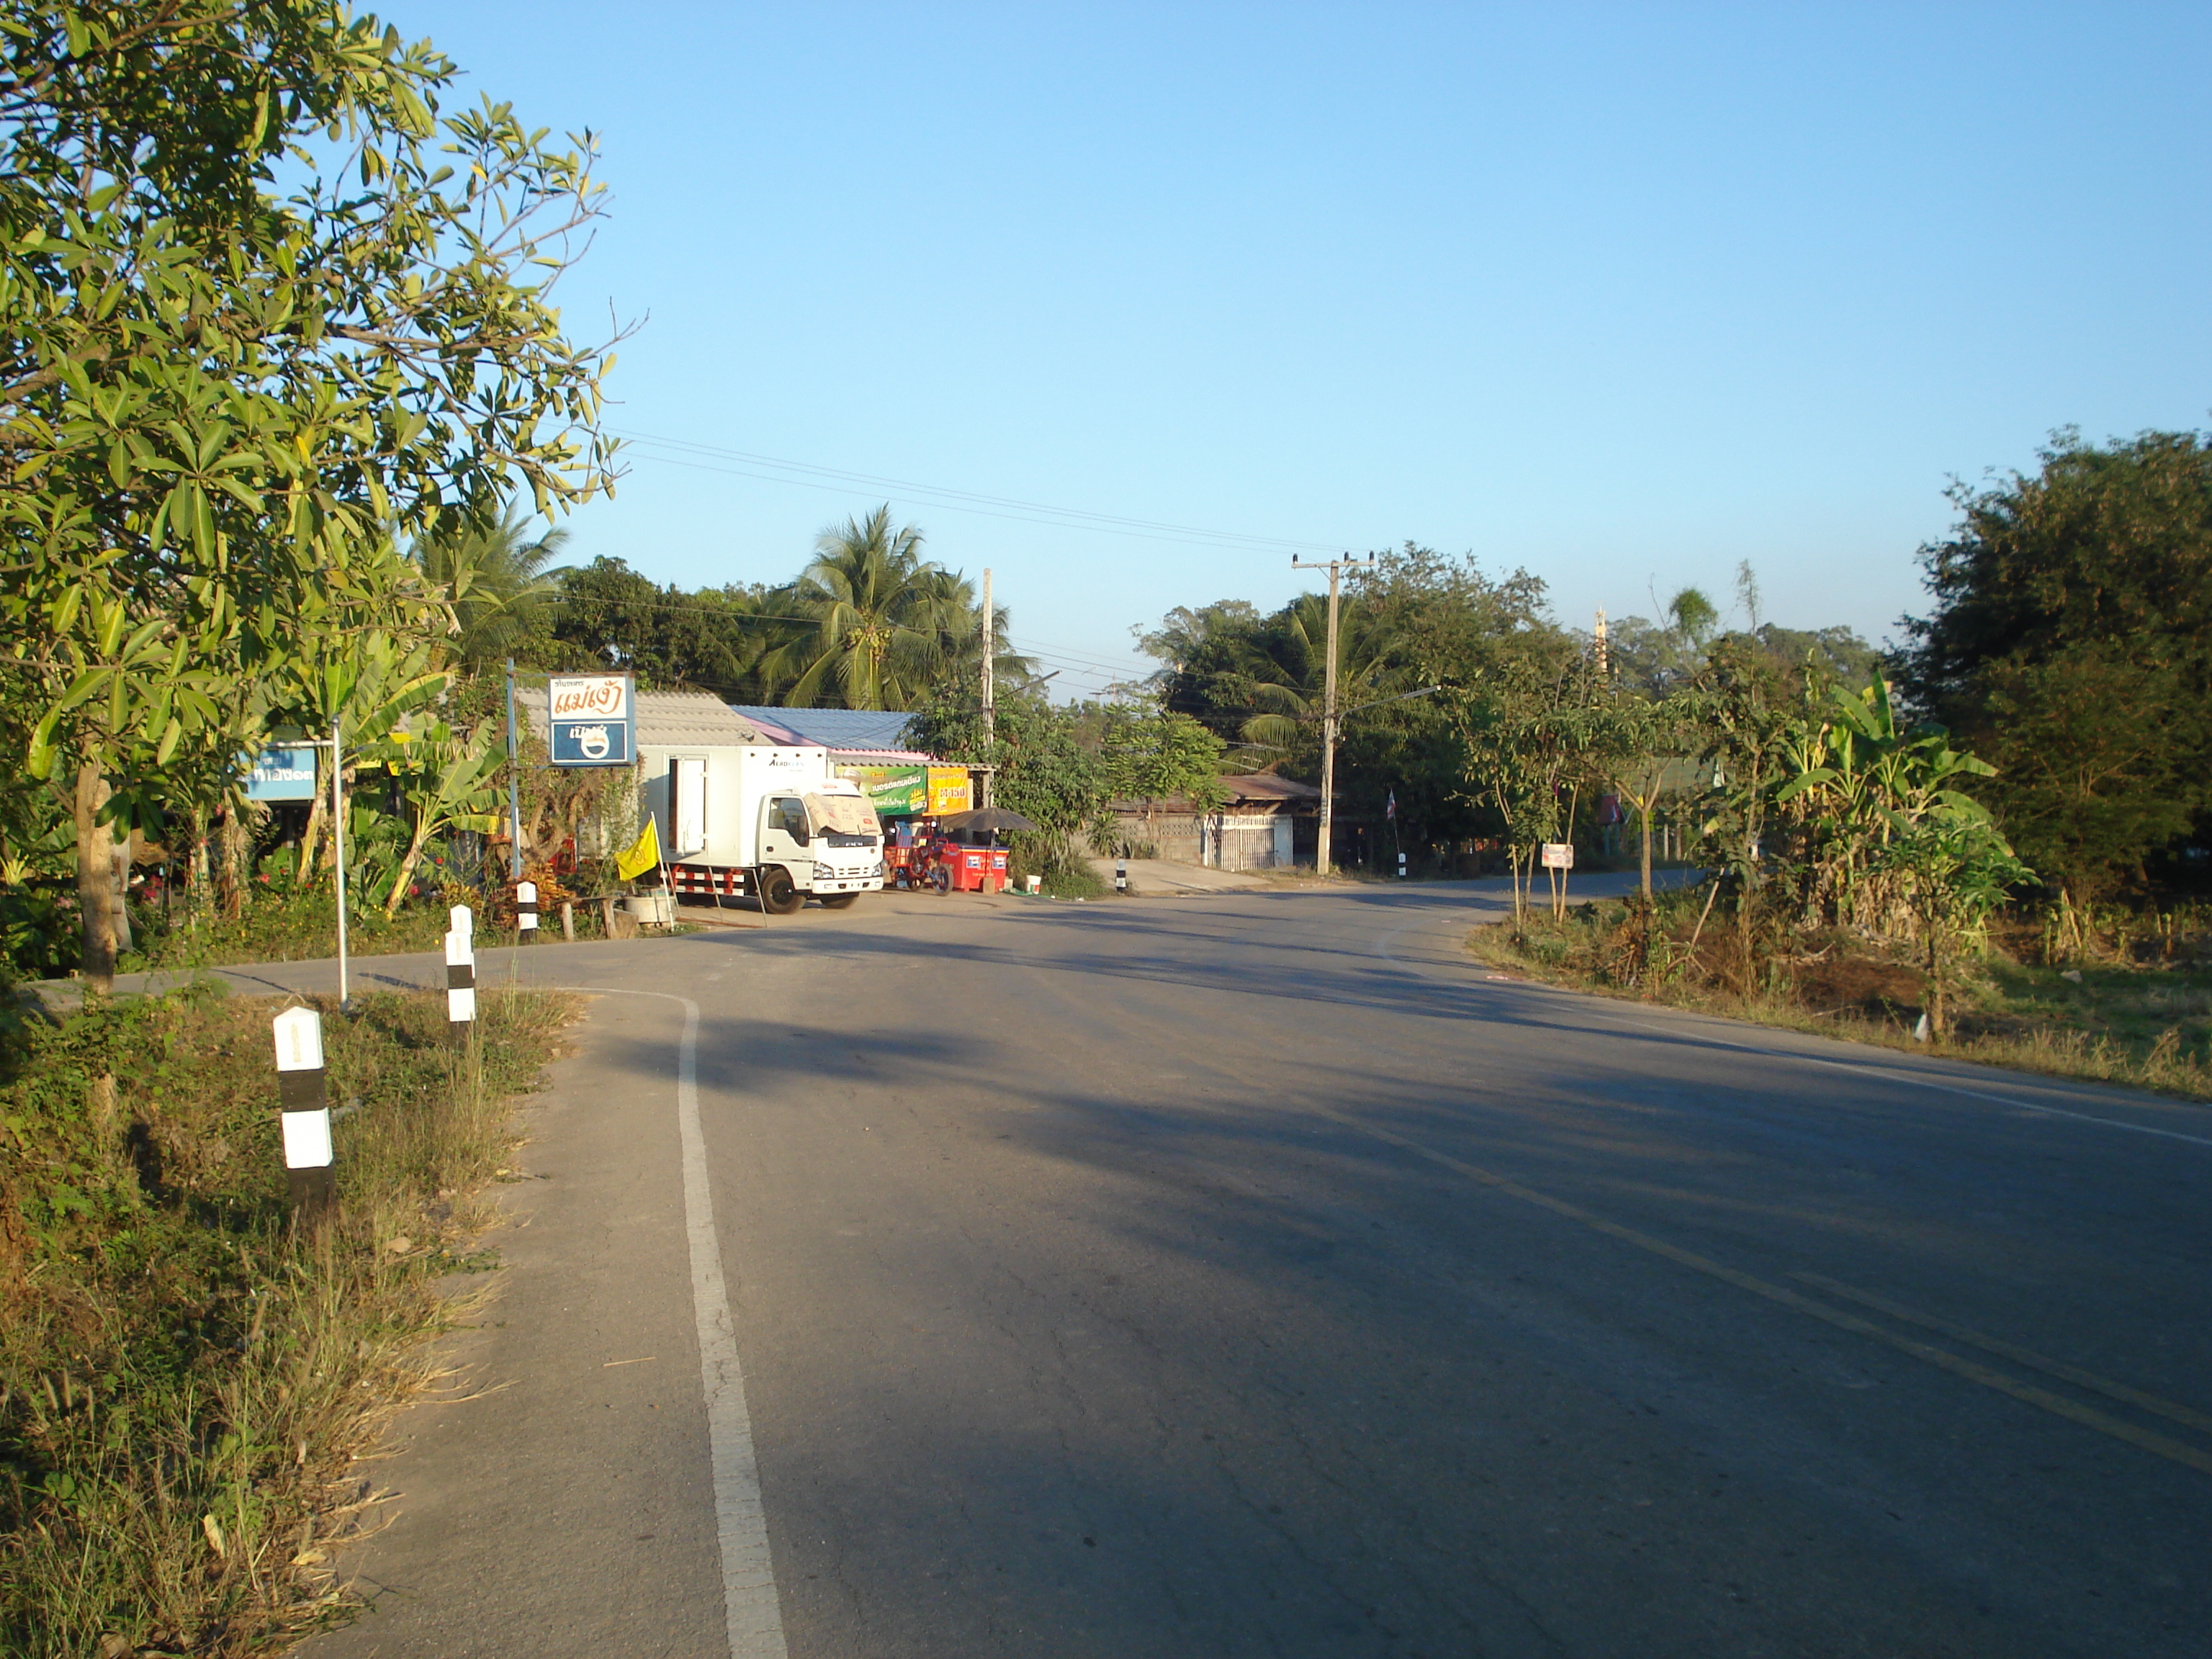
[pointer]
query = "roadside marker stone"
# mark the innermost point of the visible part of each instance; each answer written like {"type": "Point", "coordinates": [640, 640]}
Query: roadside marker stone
{"type": "Point", "coordinates": [304, 1106]}
{"type": "Point", "coordinates": [525, 906]}
{"type": "Point", "coordinates": [1121, 875]}
{"type": "Point", "coordinates": [461, 972]}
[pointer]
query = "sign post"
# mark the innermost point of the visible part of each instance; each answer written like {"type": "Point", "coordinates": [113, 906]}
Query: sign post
{"type": "Point", "coordinates": [304, 1105]}
{"type": "Point", "coordinates": [1559, 859]}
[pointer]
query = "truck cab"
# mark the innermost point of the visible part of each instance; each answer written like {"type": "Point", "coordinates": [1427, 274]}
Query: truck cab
{"type": "Point", "coordinates": [765, 821]}
{"type": "Point", "coordinates": [826, 840]}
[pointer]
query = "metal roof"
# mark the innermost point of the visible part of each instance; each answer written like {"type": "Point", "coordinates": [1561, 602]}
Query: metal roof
{"type": "Point", "coordinates": [1253, 789]}
{"type": "Point", "coordinates": [876, 731]}
{"type": "Point", "coordinates": [668, 718]}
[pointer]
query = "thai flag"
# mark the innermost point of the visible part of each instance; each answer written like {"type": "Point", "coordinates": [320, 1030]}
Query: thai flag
{"type": "Point", "coordinates": [1390, 810]}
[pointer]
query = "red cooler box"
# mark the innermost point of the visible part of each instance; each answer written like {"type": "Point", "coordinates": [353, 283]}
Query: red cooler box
{"type": "Point", "coordinates": [977, 869]}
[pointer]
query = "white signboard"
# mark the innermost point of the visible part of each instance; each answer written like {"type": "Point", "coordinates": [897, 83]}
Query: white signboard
{"type": "Point", "coordinates": [1559, 855]}
{"type": "Point", "coordinates": [591, 721]}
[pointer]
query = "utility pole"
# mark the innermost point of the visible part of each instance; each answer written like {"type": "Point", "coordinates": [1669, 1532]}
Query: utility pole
{"type": "Point", "coordinates": [990, 712]}
{"type": "Point", "coordinates": [514, 795]}
{"type": "Point", "coordinates": [1335, 568]}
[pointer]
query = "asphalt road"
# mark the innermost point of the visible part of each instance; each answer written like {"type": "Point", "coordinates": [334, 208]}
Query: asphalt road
{"type": "Point", "coordinates": [1253, 1274]}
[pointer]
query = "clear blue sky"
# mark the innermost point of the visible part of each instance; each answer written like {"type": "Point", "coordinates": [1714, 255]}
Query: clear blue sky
{"type": "Point", "coordinates": [1621, 294]}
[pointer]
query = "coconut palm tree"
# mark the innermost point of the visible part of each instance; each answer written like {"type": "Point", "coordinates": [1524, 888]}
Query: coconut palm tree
{"type": "Point", "coordinates": [882, 626]}
{"type": "Point", "coordinates": [497, 579]}
{"type": "Point", "coordinates": [1289, 667]}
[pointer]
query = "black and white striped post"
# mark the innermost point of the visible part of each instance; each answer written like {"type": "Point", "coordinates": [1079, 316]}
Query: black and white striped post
{"type": "Point", "coordinates": [461, 972]}
{"type": "Point", "coordinates": [525, 907]}
{"type": "Point", "coordinates": [305, 1108]}
{"type": "Point", "coordinates": [1121, 876]}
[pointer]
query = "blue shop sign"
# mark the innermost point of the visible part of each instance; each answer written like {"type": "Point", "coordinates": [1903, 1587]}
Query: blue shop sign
{"type": "Point", "coordinates": [283, 772]}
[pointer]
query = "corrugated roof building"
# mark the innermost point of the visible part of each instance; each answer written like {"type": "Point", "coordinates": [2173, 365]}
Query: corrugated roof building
{"type": "Point", "coordinates": [667, 718]}
{"type": "Point", "coordinates": [877, 736]}
{"type": "Point", "coordinates": [1267, 823]}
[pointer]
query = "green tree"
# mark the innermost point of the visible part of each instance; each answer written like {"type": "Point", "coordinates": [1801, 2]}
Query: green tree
{"type": "Point", "coordinates": [1635, 744]}
{"type": "Point", "coordinates": [1046, 772]}
{"type": "Point", "coordinates": [1154, 754]}
{"type": "Point", "coordinates": [495, 577]}
{"type": "Point", "coordinates": [221, 396]}
{"type": "Point", "coordinates": [884, 625]}
{"type": "Point", "coordinates": [609, 616]}
{"type": "Point", "coordinates": [2071, 643]}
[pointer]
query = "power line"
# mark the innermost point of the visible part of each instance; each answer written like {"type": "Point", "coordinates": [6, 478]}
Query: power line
{"type": "Point", "coordinates": [1067, 655]}
{"type": "Point", "coordinates": [963, 500]}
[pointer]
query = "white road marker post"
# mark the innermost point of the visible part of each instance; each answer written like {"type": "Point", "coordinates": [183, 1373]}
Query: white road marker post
{"type": "Point", "coordinates": [304, 1105]}
{"type": "Point", "coordinates": [1121, 877]}
{"type": "Point", "coordinates": [461, 973]}
{"type": "Point", "coordinates": [1402, 866]}
{"type": "Point", "coordinates": [525, 907]}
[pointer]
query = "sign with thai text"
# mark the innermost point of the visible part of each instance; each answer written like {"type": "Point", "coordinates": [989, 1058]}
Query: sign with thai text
{"type": "Point", "coordinates": [592, 720]}
{"type": "Point", "coordinates": [896, 792]}
{"type": "Point", "coordinates": [282, 772]}
{"type": "Point", "coordinates": [948, 790]}
{"type": "Point", "coordinates": [1559, 855]}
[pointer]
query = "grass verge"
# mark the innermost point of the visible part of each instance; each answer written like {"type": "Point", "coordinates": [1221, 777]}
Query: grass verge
{"type": "Point", "coordinates": [2147, 1025]}
{"type": "Point", "coordinates": [187, 1381]}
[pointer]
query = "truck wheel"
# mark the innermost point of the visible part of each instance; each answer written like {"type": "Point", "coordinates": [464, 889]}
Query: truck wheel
{"type": "Point", "coordinates": [838, 901]}
{"type": "Point", "coordinates": [779, 897]}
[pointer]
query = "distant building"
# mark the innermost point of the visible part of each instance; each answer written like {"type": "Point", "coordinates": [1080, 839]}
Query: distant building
{"type": "Point", "coordinates": [1268, 823]}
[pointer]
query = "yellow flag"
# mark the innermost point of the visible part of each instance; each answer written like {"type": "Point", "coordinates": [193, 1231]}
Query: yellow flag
{"type": "Point", "coordinates": [642, 856]}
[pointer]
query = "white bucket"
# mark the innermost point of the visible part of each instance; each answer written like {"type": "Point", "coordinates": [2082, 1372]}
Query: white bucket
{"type": "Point", "coordinates": [1037, 883]}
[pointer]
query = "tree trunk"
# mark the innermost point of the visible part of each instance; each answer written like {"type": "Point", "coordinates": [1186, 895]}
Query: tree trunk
{"type": "Point", "coordinates": [310, 837]}
{"type": "Point", "coordinates": [121, 891]}
{"type": "Point", "coordinates": [95, 881]}
{"type": "Point", "coordinates": [1644, 814]}
{"type": "Point", "coordinates": [230, 877]}
{"type": "Point", "coordinates": [416, 842]}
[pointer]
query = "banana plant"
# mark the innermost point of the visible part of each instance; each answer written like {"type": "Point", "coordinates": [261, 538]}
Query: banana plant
{"type": "Point", "coordinates": [1861, 777]}
{"type": "Point", "coordinates": [447, 780]}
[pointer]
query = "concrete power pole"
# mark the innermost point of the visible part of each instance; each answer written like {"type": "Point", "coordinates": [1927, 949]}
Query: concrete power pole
{"type": "Point", "coordinates": [990, 713]}
{"type": "Point", "coordinates": [1322, 850]}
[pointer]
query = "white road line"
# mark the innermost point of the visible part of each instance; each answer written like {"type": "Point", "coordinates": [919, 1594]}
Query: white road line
{"type": "Point", "coordinates": [1383, 946]}
{"type": "Point", "coordinates": [1919, 1082]}
{"type": "Point", "coordinates": [750, 1603]}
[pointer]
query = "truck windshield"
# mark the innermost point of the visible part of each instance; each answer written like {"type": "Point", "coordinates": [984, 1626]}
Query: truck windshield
{"type": "Point", "coordinates": [842, 815]}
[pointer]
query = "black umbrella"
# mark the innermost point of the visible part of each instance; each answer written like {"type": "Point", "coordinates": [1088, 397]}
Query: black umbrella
{"type": "Point", "coordinates": [994, 818]}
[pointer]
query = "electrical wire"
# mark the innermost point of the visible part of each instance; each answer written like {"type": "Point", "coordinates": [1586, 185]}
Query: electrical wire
{"type": "Point", "coordinates": [960, 500]}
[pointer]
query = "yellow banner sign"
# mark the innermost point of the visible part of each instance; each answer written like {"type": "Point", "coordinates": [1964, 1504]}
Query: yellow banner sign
{"type": "Point", "coordinates": [948, 790]}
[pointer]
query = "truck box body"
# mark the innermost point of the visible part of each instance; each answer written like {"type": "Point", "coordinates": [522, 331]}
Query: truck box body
{"type": "Point", "coordinates": [727, 814]}
{"type": "Point", "coordinates": [738, 813]}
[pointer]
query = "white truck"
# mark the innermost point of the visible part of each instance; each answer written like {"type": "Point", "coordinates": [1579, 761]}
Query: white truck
{"type": "Point", "coordinates": [754, 818]}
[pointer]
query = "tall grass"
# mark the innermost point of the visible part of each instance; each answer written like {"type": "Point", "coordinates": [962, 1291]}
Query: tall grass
{"type": "Point", "coordinates": [188, 1381]}
{"type": "Point", "coordinates": [2129, 1026]}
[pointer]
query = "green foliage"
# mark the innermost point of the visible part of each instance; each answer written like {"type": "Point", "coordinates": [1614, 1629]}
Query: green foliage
{"type": "Point", "coordinates": [1411, 620]}
{"type": "Point", "coordinates": [868, 624]}
{"type": "Point", "coordinates": [495, 579]}
{"type": "Point", "coordinates": [1152, 753]}
{"type": "Point", "coordinates": [2071, 641]}
{"type": "Point", "coordinates": [1047, 773]}
{"type": "Point", "coordinates": [711, 639]}
{"type": "Point", "coordinates": [170, 1352]}
{"type": "Point", "coordinates": [225, 395]}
